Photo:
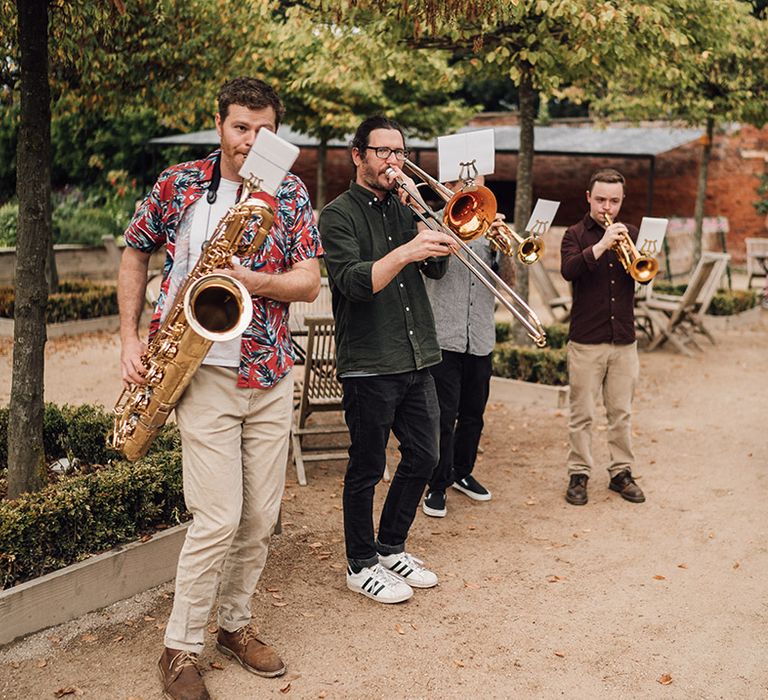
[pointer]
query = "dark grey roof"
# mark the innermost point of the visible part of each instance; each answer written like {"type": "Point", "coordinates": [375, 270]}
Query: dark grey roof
{"type": "Point", "coordinates": [631, 142]}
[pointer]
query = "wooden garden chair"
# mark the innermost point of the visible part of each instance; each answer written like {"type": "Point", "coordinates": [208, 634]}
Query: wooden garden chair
{"type": "Point", "coordinates": [559, 305]}
{"type": "Point", "coordinates": [678, 319]}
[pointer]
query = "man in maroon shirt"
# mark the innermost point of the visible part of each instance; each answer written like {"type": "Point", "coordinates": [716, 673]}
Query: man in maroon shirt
{"type": "Point", "coordinates": [602, 351]}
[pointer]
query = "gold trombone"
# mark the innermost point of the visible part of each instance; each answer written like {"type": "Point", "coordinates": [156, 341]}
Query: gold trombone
{"type": "Point", "coordinates": [470, 212]}
{"type": "Point", "coordinates": [641, 268]}
{"type": "Point", "coordinates": [465, 218]}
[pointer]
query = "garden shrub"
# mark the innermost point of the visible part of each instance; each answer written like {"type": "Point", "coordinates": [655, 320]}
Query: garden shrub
{"type": "Point", "coordinates": [76, 299]}
{"type": "Point", "coordinates": [542, 365]}
{"type": "Point", "coordinates": [87, 434]}
{"type": "Point", "coordinates": [9, 219]}
{"type": "Point", "coordinates": [86, 514]}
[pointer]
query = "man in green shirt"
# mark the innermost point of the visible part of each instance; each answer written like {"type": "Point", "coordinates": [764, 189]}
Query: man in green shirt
{"type": "Point", "coordinates": [385, 341]}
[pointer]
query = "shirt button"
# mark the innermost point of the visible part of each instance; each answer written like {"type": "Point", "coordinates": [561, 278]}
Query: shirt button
{"type": "Point", "coordinates": [401, 284]}
{"type": "Point", "coordinates": [410, 332]}
{"type": "Point", "coordinates": [613, 281]}
{"type": "Point", "coordinates": [612, 318]}
{"type": "Point", "coordinates": [610, 264]}
{"type": "Point", "coordinates": [389, 238]}
{"type": "Point", "coordinates": [612, 299]}
{"type": "Point", "coordinates": [407, 308]}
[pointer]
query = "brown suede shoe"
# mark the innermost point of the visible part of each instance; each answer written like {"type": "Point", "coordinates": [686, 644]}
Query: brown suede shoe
{"type": "Point", "coordinates": [252, 654]}
{"type": "Point", "coordinates": [625, 485]}
{"type": "Point", "coordinates": [181, 677]}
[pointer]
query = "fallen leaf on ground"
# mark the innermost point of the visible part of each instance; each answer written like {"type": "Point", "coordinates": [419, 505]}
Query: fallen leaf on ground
{"type": "Point", "coordinates": [399, 629]}
{"type": "Point", "coordinates": [306, 614]}
{"type": "Point", "coordinates": [316, 545]}
{"type": "Point", "coordinates": [216, 665]}
{"type": "Point", "coordinates": [69, 690]}
{"type": "Point", "coordinates": [460, 664]}
{"type": "Point", "coordinates": [272, 589]}
{"type": "Point", "coordinates": [149, 618]}
{"type": "Point", "coordinates": [471, 527]}
{"type": "Point", "coordinates": [470, 585]}
{"type": "Point", "coordinates": [286, 688]}
{"type": "Point", "coordinates": [560, 654]}
{"type": "Point", "coordinates": [145, 538]}
{"type": "Point", "coordinates": [682, 566]}
{"type": "Point", "coordinates": [277, 596]}
{"type": "Point", "coordinates": [665, 679]}
{"type": "Point", "coordinates": [322, 694]}
{"type": "Point", "coordinates": [553, 579]}
{"type": "Point", "coordinates": [42, 663]}
{"type": "Point", "coordinates": [736, 565]}
{"type": "Point", "coordinates": [659, 577]}
{"type": "Point", "coordinates": [278, 604]}
{"type": "Point", "coordinates": [119, 638]}
{"type": "Point", "coordinates": [89, 637]}
{"type": "Point", "coordinates": [414, 626]}
{"type": "Point", "coordinates": [530, 502]}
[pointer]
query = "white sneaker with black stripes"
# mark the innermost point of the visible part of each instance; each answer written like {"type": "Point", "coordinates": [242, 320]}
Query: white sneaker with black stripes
{"type": "Point", "coordinates": [410, 569]}
{"type": "Point", "coordinates": [379, 584]}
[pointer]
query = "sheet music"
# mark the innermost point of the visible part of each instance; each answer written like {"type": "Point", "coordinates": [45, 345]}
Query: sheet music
{"type": "Point", "coordinates": [269, 159]}
{"type": "Point", "coordinates": [466, 155]}
{"type": "Point", "coordinates": [542, 216]}
{"type": "Point", "coordinates": [651, 236]}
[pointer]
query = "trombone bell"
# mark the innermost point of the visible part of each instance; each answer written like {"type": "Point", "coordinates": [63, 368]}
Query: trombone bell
{"type": "Point", "coordinates": [470, 212]}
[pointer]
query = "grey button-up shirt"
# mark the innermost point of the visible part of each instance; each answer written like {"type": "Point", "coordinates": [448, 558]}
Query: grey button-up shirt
{"type": "Point", "coordinates": [462, 306]}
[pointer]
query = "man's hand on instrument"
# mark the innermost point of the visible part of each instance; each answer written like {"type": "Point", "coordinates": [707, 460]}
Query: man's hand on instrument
{"type": "Point", "coordinates": [429, 244]}
{"type": "Point", "coordinates": [132, 369]}
{"type": "Point", "coordinates": [395, 174]}
{"type": "Point", "coordinates": [613, 234]}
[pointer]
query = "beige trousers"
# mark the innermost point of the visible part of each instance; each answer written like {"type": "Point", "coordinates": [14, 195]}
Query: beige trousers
{"type": "Point", "coordinates": [614, 371]}
{"type": "Point", "coordinates": [234, 448]}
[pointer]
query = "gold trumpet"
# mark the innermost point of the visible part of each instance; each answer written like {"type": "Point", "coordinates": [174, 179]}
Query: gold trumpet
{"type": "Point", "coordinates": [641, 268]}
{"type": "Point", "coordinates": [465, 212]}
{"type": "Point", "coordinates": [470, 212]}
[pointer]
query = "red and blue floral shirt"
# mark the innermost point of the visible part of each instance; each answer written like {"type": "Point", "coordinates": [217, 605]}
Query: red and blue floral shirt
{"type": "Point", "coordinates": [266, 354]}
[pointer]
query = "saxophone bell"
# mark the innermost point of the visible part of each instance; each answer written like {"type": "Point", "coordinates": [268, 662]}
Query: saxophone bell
{"type": "Point", "coordinates": [218, 307]}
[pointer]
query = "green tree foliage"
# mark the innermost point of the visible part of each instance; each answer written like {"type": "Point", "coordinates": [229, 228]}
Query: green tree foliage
{"type": "Point", "coordinates": [331, 76]}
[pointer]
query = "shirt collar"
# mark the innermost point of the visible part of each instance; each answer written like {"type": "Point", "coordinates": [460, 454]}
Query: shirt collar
{"type": "Point", "coordinates": [365, 196]}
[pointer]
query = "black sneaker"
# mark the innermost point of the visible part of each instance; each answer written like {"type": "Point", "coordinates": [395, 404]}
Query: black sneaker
{"type": "Point", "coordinates": [473, 488]}
{"type": "Point", "coordinates": [434, 504]}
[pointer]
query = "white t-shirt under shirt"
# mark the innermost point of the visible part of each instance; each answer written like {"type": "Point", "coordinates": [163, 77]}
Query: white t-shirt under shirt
{"type": "Point", "coordinates": [205, 219]}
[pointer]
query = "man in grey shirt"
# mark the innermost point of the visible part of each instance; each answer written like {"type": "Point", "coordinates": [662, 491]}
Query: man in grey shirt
{"type": "Point", "coordinates": [463, 308]}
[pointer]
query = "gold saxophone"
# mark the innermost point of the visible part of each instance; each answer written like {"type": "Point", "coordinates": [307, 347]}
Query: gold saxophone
{"type": "Point", "coordinates": [209, 307]}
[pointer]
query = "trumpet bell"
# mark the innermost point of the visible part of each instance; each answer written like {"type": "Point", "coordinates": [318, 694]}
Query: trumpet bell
{"type": "Point", "coordinates": [530, 250]}
{"type": "Point", "coordinates": [469, 212]}
{"type": "Point", "coordinates": [643, 269]}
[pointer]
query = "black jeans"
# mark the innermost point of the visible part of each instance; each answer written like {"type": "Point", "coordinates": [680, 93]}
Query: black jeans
{"type": "Point", "coordinates": [406, 404]}
{"type": "Point", "coordinates": [462, 382]}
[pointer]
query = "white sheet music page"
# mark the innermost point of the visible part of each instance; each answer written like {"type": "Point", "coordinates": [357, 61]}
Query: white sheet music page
{"type": "Point", "coordinates": [651, 236]}
{"type": "Point", "coordinates": [269, 159]}
{"type": "Point", "coordinates": [464, 156]}
{"type": "Point", "coordinates": [542, 216]}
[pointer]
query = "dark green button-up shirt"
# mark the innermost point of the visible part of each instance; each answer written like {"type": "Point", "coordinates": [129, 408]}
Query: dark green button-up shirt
{"type": "Point", "coordinates": [393, 330]}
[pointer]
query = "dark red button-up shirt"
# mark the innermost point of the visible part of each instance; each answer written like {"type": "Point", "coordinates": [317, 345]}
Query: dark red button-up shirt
{"type": "Point", "coordinates": [603, 293]}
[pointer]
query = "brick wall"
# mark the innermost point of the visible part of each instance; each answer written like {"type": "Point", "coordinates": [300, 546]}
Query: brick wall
{"type": "Point", "coordinates": [733, 177]}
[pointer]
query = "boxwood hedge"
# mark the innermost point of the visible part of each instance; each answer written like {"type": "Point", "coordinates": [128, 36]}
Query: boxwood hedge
{"type": "Point", "coordinates": [76, 299]}
{"type": "Point", "coordinates": [101, 502]}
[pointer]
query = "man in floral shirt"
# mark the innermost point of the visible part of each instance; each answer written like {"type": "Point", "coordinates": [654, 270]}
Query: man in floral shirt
{"type": "Point", "coordinates": [235, 415]}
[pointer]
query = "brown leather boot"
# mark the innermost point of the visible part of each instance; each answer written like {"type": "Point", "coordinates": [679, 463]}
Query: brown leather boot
{"type": "Point", "coordinates": [625, 485]}
{"type": "Point", "coordinates": [181, 678]}
{"type": "Point", "coordinates": [252, 654]}
{"type": "Point", "coordinates": [576, 493]}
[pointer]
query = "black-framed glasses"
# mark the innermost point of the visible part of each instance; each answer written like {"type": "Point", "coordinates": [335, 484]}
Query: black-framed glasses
{"type": "Point", "coordinates": [384, 152]}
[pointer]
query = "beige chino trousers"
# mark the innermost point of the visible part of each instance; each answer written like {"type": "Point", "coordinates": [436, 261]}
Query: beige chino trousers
{"type": "Point", "coordinates": [234, 448]}
{"type": "Point", "coordinates": [614, 371]}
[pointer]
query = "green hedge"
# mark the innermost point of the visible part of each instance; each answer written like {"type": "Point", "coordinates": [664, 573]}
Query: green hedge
{"type": "Point", "coordinates": [76, 299]}
{"type": "Point", "coordinates": [542, 365]}
{"type": "Point", "coordinates": [78, 433]}
{"type": "Point", "coordinates": [87, 514]}
{"type": "Point", "coordinates": [726, 302]}
{"type": "Point", "coordinates": [93, 507]}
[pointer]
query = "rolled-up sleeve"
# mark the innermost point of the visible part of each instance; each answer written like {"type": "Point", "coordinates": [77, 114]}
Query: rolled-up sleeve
{"type": "Point", "coordinates": [351, 275]}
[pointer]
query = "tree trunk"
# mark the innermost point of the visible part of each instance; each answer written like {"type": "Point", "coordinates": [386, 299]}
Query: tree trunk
{"type": "Point", "coordinates": [524, 187]}
{"type": "Point", "coordinates": [26, 459]}
{"type": "Point", "coordinates": [322, 151]}
{"type": "Point", "coordinates": [701, 192]}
